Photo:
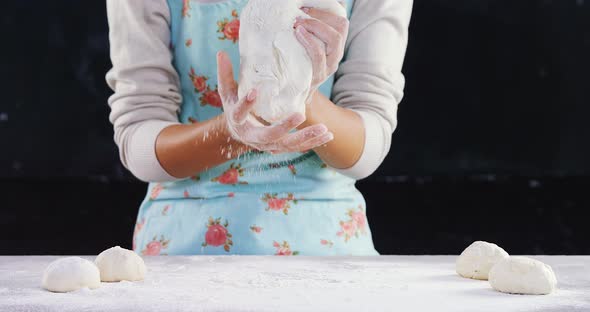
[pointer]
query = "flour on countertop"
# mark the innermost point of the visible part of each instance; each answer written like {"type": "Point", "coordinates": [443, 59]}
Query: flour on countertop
{"type": "Point", "coordinates": [236, 283]}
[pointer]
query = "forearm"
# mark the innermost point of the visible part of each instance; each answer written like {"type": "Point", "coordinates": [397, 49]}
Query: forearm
{"type": "Point", "coordinates": [346, 125]}
{"type": "Point", "coordinates": [186, 150]}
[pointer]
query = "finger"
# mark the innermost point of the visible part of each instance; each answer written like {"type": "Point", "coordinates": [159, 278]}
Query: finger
{"type": "Point", "coordinates": [269, 134]}
{"type": "Point", "coordinates": [327, 34]}
{"type": "Point", "coordinates": [315, 48]}
{"type": "Point", "coordinates": [337, 22]}
{"type": "Point", "coordinates": [302, 147]}
{"type": "Point", "coordinates": [316, 142]}
{"type": "Point", "coordinates": [298, 138]}
{"type": "Point", "coordinates": [242, 110]}
{"type": "Point", "coordinates": [225, 76]}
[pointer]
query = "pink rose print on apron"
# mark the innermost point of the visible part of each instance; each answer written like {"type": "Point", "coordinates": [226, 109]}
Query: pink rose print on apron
{"type": "Point", "coordinates": [211, 97]}
{"type": "Point", "coordinates": [154, 248]}
{"type": "Point", "coordinates": [199, 82]}
{"type": "Point", "coordinates": [138, 227]}
{"type": "Point", "coordinates": [186, 7]}
{"type": "Point", "coordinates": [275, 203]}
{"type": "Point", "coordinates": [231, 176]}
{"type": "Point", "coordinates": [284, 249]}
{"type": "Point", "coordinates": [218, 235]}
{"type": "Point", "coordinates": [354, 226]}
{"type": "Point", "coordinates": [327, 243]}
{"type": "Point", "coordinates": [156, 191]}
{"type": "Point", "coordinates": [230, 30]}
{"type": "Point", "coordinates": [256, 229]}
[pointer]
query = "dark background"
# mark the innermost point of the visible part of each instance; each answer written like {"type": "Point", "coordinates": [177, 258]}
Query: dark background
{"type": "Point", "coordinates": [492, 142]}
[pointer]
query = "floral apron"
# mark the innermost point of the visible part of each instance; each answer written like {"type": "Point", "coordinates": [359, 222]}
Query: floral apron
{"type": "Point", "coordinates": [258, 204]}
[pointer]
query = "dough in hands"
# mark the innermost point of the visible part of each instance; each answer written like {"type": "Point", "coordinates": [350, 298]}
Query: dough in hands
{"type": "Point", "coordinates": [271, 58]}
{"type": "Point", "coordinates": [70, 274]}
{"type": "Point", "coordinates": [477, 260]}
{"type": "Point", "coordinates": [118, 264]}
{"type": "Point", "coordinates": [522, 275]}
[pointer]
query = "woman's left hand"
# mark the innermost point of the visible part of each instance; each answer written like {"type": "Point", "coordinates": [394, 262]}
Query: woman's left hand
{"type": "Point", "coordinates": [323, 36]}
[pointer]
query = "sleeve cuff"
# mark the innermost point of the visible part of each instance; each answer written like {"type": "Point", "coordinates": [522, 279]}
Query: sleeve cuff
{"type": "Point", "coordinates": [142, 160]}
{"type": "Point", "coordinates": [373, 150]}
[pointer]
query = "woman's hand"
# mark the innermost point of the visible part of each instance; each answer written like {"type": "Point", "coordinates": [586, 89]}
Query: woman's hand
{"type": "Point", "coordinates": [324, 37]}
{"type": "Point", "coordinates": [276, 138]}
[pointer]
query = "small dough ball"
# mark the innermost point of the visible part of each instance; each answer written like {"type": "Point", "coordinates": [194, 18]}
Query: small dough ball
{"type": "Point", "coordinates": [118, 264]}
{"type": "Point", "coordinates": [477, 260]}
{"type": "Point", "coordinates": [522, 275]}
{"type": "Point", "coordinates": [69, 274]}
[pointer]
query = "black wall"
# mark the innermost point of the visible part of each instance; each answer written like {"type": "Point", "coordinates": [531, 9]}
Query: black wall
{"type": "Point", "coordinates": [492, 141]}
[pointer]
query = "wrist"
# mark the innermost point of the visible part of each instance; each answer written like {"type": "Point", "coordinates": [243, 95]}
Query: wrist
{"type": "Point", "coordinates": [312, 111]}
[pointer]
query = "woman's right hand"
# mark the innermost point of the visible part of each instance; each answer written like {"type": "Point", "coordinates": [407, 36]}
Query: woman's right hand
{"type": "Point", "coordinates": [274, 139]}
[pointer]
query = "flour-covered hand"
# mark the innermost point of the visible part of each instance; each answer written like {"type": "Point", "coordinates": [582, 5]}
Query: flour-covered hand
{"type": "Point", "coordinates": [324, 37]}
{"type": "Point", "coordinates": [244, 128]}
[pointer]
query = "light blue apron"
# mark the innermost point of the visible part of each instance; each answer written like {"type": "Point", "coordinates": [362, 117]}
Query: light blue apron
{"type": "Point", "coordinates": [258, 204]}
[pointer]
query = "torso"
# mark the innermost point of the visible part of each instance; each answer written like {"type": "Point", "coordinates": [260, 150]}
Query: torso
{"type": "Point", "coordinates": [256, 204]}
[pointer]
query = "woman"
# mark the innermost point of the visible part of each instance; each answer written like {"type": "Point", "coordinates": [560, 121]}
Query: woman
{"type": "Point", "coordinates": [220, 186]}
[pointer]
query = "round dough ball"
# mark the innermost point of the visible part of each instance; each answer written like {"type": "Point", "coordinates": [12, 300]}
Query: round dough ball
{"type": "Point", "coordinates": [522, 275]}
{"type": "Point", "coordinates": [477, 260]}
{"type": "Point", "coordinates": [69, 274]}
{"type": "Point", "coordinates": [118, 264]}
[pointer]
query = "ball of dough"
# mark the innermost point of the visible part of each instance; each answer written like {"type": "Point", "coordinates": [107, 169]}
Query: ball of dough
{"type": "Point", "coordinates": [272, 60]}
{"type": "Point", "coordinates": [118, 264]}
{"type": "Point", "coordinates": [477, 260]}
{"type": "Point", "coordinates": [522, 275]}
{"type": "Point", "coordinates": [69, 274]}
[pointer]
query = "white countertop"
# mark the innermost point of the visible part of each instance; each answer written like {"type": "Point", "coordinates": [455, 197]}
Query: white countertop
{"type": "Point", "coordinates": [386, 283]}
